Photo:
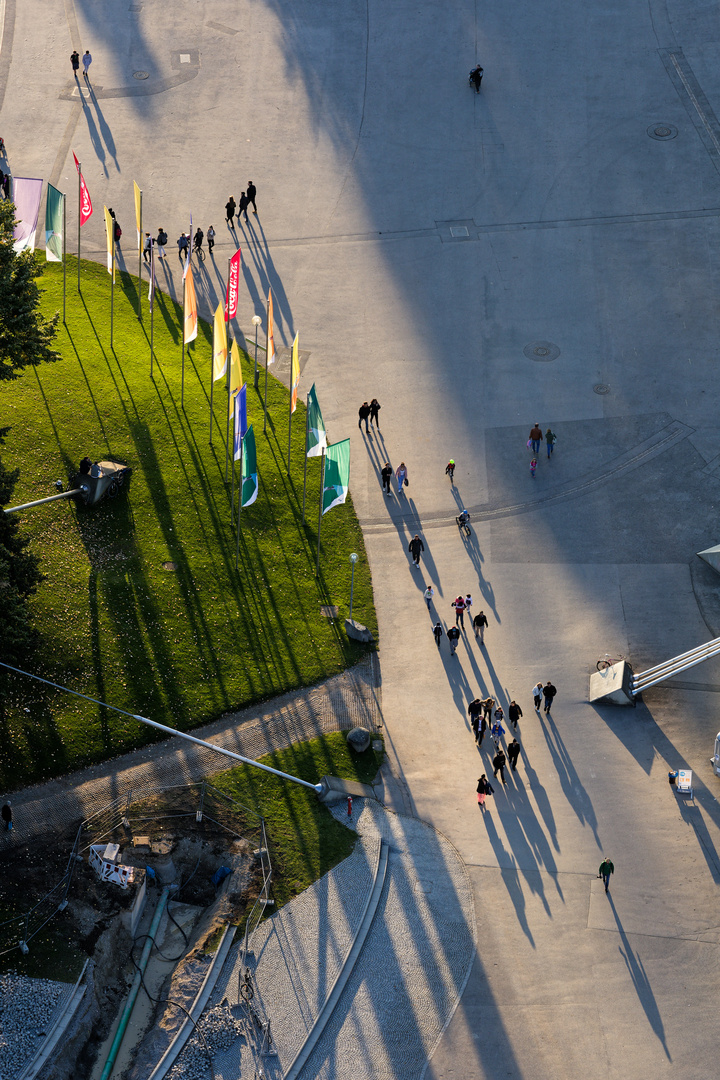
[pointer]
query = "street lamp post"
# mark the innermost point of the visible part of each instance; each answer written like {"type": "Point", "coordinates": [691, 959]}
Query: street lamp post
{"type": "Point", "coordinates": [256, 320]}
{"type": "Point", "coordinates": [353, 560]}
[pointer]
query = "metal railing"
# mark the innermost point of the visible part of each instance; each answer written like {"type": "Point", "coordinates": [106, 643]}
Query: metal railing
{"type": "Point", "coordinates": [657, 674]}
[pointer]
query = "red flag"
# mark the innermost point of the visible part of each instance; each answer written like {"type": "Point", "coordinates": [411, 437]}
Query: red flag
{"type": "Point", "coordinates": [85, 200]}
{"type": "Point", "coordinates": [231, 299]}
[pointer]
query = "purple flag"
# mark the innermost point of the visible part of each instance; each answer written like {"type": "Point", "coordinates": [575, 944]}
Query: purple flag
{"type": "Point", "coordinates": [241, 424]}
{"type": "Point", "coordinates": [26, 196]}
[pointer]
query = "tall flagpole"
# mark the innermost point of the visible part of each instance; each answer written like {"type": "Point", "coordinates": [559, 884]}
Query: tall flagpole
{"type": "Point", "coordinates": [237, 541]}
{"type": "Point", "coordinates": [112, 283]}
{"type": "Point", "coordinates": [140, 246]}
{"type": "Point", "coordinates": [64, 253]}
{"type": "Point", "coordinates": [79, 168]}
{"type": "Point", "coordinates": [227, 364]}
{"type": "Point", "coordinates": [267, 328]}
{"type": "Point", "coordinates": [322, 481]}
{"type": "Point", "coordinates": [152, 308]}
{"type": "Point", "coordinates": [290, 420]}
{"type": "Point", "coordinates": [182, 378]}
{"type": "Point", "coordinates": [307, 426]}
{"type": "Point", "coordinates": [212, 383]}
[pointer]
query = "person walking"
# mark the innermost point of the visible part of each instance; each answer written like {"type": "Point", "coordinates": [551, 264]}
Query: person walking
{"type": "Point", "coordinates": [488, 707]}
{"type": "Point", "coordinates": [251, 193]}
{"type": "Point", "coordinates": [537, 693]}
{"type": "Point", "coordinates": [550, 440]}
{"type": "Point", "coordinates": [535, 437]}
{"type": "Point", "coordinates": [438, 633]}
{"type": "Point", "coordinates": [386, 478]}
{"type": "Point", "coordinates": [533, 467]}
{"type": "Point", "coordinates": [499, 715]}
{"type": "Point", "coordinates": [75, 61]}
{"type": "Point", "coordinates": [450, 470]}
{"type": "Point", "coordinates": [484, 788]}
{"type": "Point", "coordinates": [401, 475]}
{"type": "Point", "coordinates": [87, 61]}
{"type": "Point", "coordinates": [161, 241]}
{"type": "Point", "coordinates": [476, 77]}
{"type": "Point", "coordinates": [549, 692]}
{"type": "Point", "coordinates": [363, 414]}
{"type": "Point", "coordinates": [499, 763]}
{"type": "Point", "coordinates": [147, 247]}
{"type": "Point", "coordinates": [479, 624]}
{"type": "Point", "coordinates": [242, 206]}
{"type": "Point", "coordinates": [514, 713]}
{"type": "Point", "coordinates": [606, 869]}
{"type": "Point", "coordinates": [183, 244]}
{"type": "Point", "coordinates": [459, 605]}
{"type": "Point", "coordinates": [468, 602]}
{"type": "Point", "coordinates": [6, 815]}
{"type": "Point", "coordinates": [513, 754]}
{"type": "Point", "coordinates": [428, 596]}
{"type": "Point", "coordinates": [211, 238]}
{"type": "Point", "coordinates": [230, 211]}
{"type": "Point", "coordinates": [198, 239]}
{"type": "Point", "coordinates": [6, 185]}
{"type": "Point", "coordinates": [375, 407]}
{"type": "Point", "coordinates": [453, 637]}
{"type": "Point", "coordinates": [497, 731]}
{"type": "Point", "coordinates": [416, 547]}
{"type": "Point", "coordinates": [482, 729]}
{"type": "Point", "coordinates": [474, 712]}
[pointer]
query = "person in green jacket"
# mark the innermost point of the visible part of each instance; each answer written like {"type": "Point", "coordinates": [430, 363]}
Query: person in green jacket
{"type": "Point", "coordinates": [550, 440]}
{"type": "Point", "coordinates": [606, 869]}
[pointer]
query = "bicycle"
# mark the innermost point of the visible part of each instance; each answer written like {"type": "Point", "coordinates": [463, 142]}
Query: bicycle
{"type": "Point", "coordinates": [608, 662]}
{"type": "Point", "coordinates": [200, 254]}
{"type": "Point", "coordinates": [247, 990]}
{"type": "Point", "coordinates": [463, 523]}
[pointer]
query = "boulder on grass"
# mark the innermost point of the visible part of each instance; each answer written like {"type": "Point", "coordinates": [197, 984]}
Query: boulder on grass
{"type": "Point", "coordinates": [358, 739]}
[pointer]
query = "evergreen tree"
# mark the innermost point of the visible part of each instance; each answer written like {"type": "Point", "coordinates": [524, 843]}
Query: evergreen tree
{"type": "Point", "coordinates": [19, 577]}
{"type": "Point", "coordinates": [25, 335]}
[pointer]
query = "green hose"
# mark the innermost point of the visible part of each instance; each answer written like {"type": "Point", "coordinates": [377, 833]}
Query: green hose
{"type": "Point", "coordinates": [130, 1003]}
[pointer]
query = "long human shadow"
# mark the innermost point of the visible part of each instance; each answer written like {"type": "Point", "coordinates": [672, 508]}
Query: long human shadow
{"type": "Point", "coordinates": [511, 879]}
{"type": "Point", "coordinates": [97, 143]}
{"type": "Point", "coordinates": [570, 782]}
{"type": "Point", "coordinates": [264, 261]}
{"type": "Point", "coordinates": [640, 982]}
{"type": "Point", "coordinates": [527, 823]}
{"type": "Point", "coordinates": [105, 131]}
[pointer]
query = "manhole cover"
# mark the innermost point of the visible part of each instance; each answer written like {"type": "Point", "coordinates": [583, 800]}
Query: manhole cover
{"type": "Point", "coordinates": [169, 566]}
{"type": "Point", "coordinates": [329, 612]}
{"type": "Point", "coordinates": [601, 388]}
{"type": "Point", "coordinates": [459, 230]}
{"type": "Point", "coordinates": [141, 74]}
{"type": "Point", "coordinates": [542, 351]}
{"type": "Point", "coordinates": [662, 131]}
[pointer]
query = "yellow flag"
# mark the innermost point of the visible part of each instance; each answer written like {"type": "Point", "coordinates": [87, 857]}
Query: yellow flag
{"type": "Point", "coordinates": [109, 229]}
{"type": "Point", "coordinates": [294, 376]}
{"type": "Point", "coordinates": [235, 368]}
{"type": "Point", "coordinates": [190, 327]}
{"type": "Point", "coordinates": [270, 332]}
{"type": "Point", "coordinates": [138, 213]}
{"type": "Point", "coordinates": [219, 344]}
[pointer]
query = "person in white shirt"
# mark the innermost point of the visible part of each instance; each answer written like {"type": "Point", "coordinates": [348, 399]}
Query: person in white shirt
{"type": "Point", "coordinates": [87, 61]}
{"type": "Point", "coordinates": [428, 594]}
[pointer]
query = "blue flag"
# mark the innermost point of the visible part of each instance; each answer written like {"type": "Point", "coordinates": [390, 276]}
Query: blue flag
{"type": "Point", "coordinates": [241, 424]}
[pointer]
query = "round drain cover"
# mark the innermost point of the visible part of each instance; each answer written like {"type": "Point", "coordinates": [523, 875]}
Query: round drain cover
{"type": "Point", "coordinates": [141, 74]}
{"type": "Point", "coordinates": [542, 351]}
{"type": "Point", "coordinates": [601, 388]}
{"type": "Point", "coordinates": [169, 566]}
{"type": "Point", "coordinates": [662, 132]}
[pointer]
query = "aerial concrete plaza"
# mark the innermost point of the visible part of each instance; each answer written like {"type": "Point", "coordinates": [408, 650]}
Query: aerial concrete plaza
{"type": "Point", "coordinates": [546, 251]}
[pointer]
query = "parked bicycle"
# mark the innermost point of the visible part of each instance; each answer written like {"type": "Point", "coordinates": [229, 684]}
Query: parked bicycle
{"type": "Point", "coordinates": [247, 990]}
{"type": "Point", "coordinates": [608, 661]}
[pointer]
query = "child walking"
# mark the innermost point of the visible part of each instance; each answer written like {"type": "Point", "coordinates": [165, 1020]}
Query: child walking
{"type": "Point", "coordinates": [533, 467]}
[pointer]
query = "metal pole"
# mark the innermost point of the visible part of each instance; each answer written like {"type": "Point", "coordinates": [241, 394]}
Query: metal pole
{"type": "Point", "coordinates": [256, 374]}
{"type": "Point", "coordinates": [182, 377]}
{"type": "Point", "coordinates": [140, 246]}
{"type": "Point", "coordinates": [232, 470]}
{"type": "Point", "coordinates": [227, 366]}
{"type": "Point", "coordinates": [152, 308]}
{"type": "Point", "coordinates": [290, 422]}
{"type": "Point", "coordinates": [79, 170]}
{"type": "Point", "coordinates": [64, 253]}
{"type": "Point", "coordinates": [353, 560]}
{"type": "Point", "coordinates": [267, 345]}
{"type": "Point", "coordinates": [307, 423]}
{"type": "Point", "coordinates": [237, 541]}
{"type": "Point", "coordinates": [212, 386]}
{"type": "Point", "coordinates": [320, 513]}
{"type": "Point", "coordinates": [112, 284]}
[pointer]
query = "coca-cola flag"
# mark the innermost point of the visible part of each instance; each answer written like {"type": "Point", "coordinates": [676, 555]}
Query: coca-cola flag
{"type": "Point", "coordinates": [231, 301]}
{"type": "Point", "coordinates": [86, 208]}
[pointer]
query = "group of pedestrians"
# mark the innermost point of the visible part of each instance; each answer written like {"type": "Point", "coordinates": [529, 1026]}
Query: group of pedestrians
{"type": "Point", "coordinates": [369, 412]}
{"type": "Point", "coordinates": [247, 198]}
{"type": "Point", "coordinates": [461, 604]}
{"type": "Point", "coordinates": [401, 475]}
{"type": "Point", "coordinates": [5, 180]}
{"type": "Point", "coordinates": [86, 62]}
{"type": "Point", "coordinates": [534, 439]}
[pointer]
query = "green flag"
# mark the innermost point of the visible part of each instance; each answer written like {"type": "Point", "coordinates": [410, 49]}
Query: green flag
{"type": "Point", "coordinates": [337, 474]}
{"type": "Point", "coordinates": [54, 225]}
{"type": "Point", "coordinates": [249, 469]}
{"type": "Point", "coordinates": [316, 437]}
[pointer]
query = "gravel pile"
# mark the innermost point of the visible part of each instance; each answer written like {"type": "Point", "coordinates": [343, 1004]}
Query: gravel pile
{"type": "Point", "coordinates": [26, 1009]}
{"type": "Point", "coordinates": [221, 1028]}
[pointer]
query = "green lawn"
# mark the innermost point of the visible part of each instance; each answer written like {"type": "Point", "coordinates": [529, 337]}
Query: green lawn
{"type": "Point", "coordinates": [178, 646]}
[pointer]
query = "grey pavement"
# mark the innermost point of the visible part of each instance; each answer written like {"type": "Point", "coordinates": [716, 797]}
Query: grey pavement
{"type": "Point", "coordinates": [547, 250]}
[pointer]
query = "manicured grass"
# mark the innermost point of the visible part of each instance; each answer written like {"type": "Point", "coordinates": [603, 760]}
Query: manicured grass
{"type": "Point", "coordinates": [305, 839]}
{"type": "Point", "coordinates": [181, 646]}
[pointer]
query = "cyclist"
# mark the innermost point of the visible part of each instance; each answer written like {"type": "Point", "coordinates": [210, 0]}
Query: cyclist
{"type": "Point", "coordinates": [476, 78]}
{"type": "Point", "coordinates": [463, 518]}
{"type": "Point", "coordinates": [450, 470]}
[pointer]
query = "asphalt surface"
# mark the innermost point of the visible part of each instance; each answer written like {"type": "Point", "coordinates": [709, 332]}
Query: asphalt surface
{"type": "Point", "coordinates": [544, 251]}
